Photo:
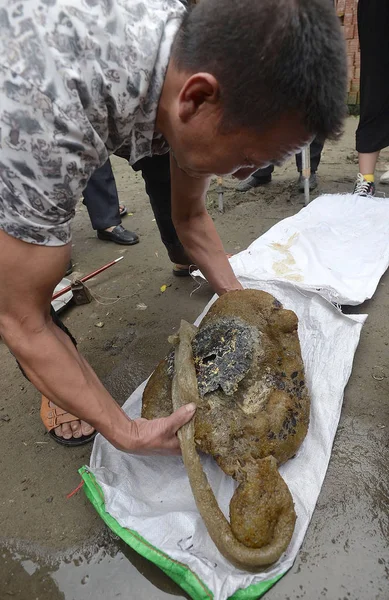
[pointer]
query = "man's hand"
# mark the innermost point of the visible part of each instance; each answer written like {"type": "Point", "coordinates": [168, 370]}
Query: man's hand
{"type": "Point", "coordinates": [196, 230]}
{"type": "Point", "coordinates": [160, 435]}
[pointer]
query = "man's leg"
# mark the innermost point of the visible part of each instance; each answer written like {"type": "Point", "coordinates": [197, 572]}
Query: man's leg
{"type": "Point", "coordinates": [102, 201]}
{"type": "Point", "coordinates": [69, 430]}
{"type": "Point", "coordinates": [260, 177]}
{"type": "Point", "coordinates": [316, 149]}
{"type": "Point", "coordinates": [156, 174]}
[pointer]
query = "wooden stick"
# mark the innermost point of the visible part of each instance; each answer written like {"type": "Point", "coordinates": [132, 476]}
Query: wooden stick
{"type": "Point", "coordinates": [306, 170]}
{"type": "Point", "coordinates": [69, 287]}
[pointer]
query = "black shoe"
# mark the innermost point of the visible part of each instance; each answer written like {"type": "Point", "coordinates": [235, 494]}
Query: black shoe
{"type": "Point", "coordinates": [363, 187]}
{"type": "Point", "coordinates": [119, 235]}
{"type": "Point", "coordinates": [253, 182]}
{"type": "Point", "coordinates": [312, 182]}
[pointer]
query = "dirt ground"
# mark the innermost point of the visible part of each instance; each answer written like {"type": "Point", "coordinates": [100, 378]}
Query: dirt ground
{"type": "Point", "coordinates": [52, 547]}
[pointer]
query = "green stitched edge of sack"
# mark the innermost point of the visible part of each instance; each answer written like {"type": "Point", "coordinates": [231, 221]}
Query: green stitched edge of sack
{"type": "Point", "coordinates": [177, 571]}
{"type": "Point", "coordinates": [256, 590]}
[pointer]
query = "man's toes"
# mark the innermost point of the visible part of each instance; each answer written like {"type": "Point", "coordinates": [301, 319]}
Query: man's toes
{"type": "Point", "coordinates": [76, 429]}
{"type": "Point", "coordinates": [86, 428]}
{"type": "Point", "coordinates": [67, 432]}
{"type": "Point", "coordinates": [58, 431]}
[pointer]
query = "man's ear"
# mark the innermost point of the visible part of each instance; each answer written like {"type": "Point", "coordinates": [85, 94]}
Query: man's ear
{"type": "Point", "coordinates": [199, 89]}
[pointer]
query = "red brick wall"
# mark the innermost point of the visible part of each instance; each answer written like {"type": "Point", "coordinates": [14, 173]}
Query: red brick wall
{"type": "Point", "coordinates": [347, 12]}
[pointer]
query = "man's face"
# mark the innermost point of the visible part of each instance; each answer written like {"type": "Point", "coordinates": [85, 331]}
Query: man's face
{"type": "Point", "coordinates": [201, 149]}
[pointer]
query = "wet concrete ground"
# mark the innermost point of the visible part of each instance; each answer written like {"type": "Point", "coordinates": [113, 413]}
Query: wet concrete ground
{"type": "Point", "coordinates": [54, 548]}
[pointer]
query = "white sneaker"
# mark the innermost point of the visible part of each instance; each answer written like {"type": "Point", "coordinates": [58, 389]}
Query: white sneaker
{"type": "Point", "coordinates": [385, 178]}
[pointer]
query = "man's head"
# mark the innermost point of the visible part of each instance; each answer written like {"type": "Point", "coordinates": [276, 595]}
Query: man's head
{"type": "Point", "coordinates": [260, 77]}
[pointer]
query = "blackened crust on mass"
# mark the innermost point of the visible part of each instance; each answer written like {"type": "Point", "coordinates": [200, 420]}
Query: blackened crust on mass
{"type": "Point", "coordinates": [223, 351]}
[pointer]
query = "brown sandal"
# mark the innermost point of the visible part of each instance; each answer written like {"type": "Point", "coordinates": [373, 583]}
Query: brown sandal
{"type": "Point", "coordinates": [54, 416]}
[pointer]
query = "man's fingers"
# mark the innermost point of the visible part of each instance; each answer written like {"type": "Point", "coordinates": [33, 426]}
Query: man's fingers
{"type": "Point", "coordinates": [159, 436]}
{"type": "Point", "coordinates": [181, 416]}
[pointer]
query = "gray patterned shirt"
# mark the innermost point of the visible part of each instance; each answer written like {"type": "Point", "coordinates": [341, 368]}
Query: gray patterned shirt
{"type": "Point", "coordinates": [78, 79]}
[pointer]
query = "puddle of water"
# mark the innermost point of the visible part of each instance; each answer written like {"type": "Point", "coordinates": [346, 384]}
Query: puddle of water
{"type": "Point", "coordinates": [29, 566]}
{"type": "Point", "coordinates": [116, 572]}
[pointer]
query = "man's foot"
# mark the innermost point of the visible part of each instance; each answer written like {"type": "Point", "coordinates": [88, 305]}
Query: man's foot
{"type": "Point", "coordinates": [64, 428]}
{"type": "Point", "coordinates": [253, 182]}
{"type": "Point", "coordinates": [385, 178]}
{"type": "Point", "coordinates": [183, 270]}
{"type": "Point", "coordinates": [312, 182]}
{"type": "Point", "coordinates": [122, 210]}
{"type": "Point", "coordinates": [118, 235]}
{"type": "Point", "coordinates": [363, 187]}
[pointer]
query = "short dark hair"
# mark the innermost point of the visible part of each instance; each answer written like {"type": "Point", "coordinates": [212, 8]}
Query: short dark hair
{"type": "Point", "coordinates": [270, 57]}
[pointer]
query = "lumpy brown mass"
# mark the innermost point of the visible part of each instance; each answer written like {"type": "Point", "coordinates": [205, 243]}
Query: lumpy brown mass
{"type": "Point", "coordinates": [253, 407]}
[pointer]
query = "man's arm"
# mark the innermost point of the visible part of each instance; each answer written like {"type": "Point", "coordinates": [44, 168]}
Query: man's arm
{"type": "Point", "coordinates": [196, 230]}
{"type": "Point", "coordinates": [28, 276]}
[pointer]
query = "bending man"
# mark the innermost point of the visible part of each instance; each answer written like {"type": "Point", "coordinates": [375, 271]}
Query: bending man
{"type": "Point", "coordinates": [78, 80]}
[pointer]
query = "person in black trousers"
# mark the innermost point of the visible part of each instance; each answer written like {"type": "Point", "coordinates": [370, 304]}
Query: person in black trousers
{"type": "Point", "coordinates": [372, 134]}
{"type": "Point", "coordinates": [263, 176]}
{"type": "Point", "coordinates": [156, 174]}
{"type": "Point", "coordinates": [102, 202]}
